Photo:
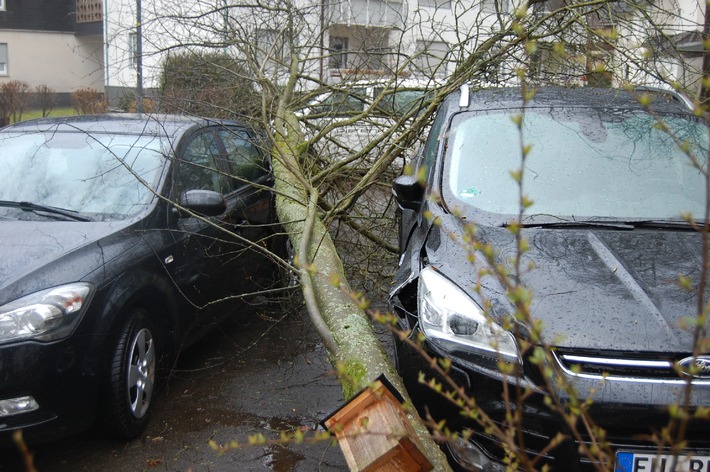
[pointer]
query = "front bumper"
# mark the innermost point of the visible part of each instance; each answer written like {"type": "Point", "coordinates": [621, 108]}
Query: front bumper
{"type": "Point", "coordinates": [629, 412]}
{"type": "Point", "coordinates": [61, 377]}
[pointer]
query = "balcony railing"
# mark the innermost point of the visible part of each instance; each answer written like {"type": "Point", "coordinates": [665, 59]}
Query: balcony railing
{"type": "Point", "coordinates": [89, 11]}
{"type": "Point", "coordinates": [380, 13]}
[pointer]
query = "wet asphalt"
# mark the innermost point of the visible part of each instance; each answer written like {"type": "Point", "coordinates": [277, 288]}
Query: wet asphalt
{"type": "Point", "coordinates": [263, 371]}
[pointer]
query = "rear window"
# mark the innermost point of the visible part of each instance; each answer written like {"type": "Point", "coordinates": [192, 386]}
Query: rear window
{"type": "Point", "coordinates": [393, 104]}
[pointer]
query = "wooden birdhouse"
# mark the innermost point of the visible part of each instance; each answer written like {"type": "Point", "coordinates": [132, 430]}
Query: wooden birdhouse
{"type": "Point", "coordinates": [374, 434]}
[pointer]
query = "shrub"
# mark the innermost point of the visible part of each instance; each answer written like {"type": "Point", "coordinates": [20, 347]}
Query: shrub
{"type": "Point", "coordinates": [130, 105]}
{"type": "Point", "coordinates": [88, 101]}
{"type": "Point", "coordinates": [46, 97]}
{"type": "Point", "coordinates": [13, 99]}
{"type": "Point", "coordinates": [209, 84]}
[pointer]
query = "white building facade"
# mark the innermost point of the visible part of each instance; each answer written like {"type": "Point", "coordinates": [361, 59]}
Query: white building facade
{"type": "Point", "coordinates": [336, 40]}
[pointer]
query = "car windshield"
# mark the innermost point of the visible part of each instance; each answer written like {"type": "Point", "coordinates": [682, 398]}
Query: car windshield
{"type": "Point", "coordinates": [106, 176]}
{"type": "Point", "coordinates": [583, 164]}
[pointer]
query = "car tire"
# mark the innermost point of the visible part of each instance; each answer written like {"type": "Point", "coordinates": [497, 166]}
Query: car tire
{"type": "Point", "coordinates": [130, 377]}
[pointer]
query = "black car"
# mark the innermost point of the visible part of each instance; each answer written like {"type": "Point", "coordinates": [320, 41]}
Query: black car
{"type": "Point", "coordinates": [119, 237]}
{"type": "Point", "coordinates": [613, 176]}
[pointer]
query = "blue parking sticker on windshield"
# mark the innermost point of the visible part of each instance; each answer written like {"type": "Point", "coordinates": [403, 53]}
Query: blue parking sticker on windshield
{"type": "Point", "coordinates": [469, 192]}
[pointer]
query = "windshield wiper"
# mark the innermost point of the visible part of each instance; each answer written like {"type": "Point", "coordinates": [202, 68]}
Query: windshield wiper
{"type": "Point", "coordinates": [613, 224]}
{"type": "Point", "coordinates": [34, 207]}
{"type": "Point", "coordinates": [668, 224]}
{"type": "Point", "coordinates": [577, 224]}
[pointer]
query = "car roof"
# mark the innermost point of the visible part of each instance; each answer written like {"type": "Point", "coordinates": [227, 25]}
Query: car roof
{"type": "Point", "coordinates": [580, 97]}
{"type": "Point", "coordinates": [171, 126]}
{"type": "Point", "coordinates": [424, 83]}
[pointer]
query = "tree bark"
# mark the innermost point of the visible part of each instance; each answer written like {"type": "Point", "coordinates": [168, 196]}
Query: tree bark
{"type": "Point", "coordinates": [354, 349]}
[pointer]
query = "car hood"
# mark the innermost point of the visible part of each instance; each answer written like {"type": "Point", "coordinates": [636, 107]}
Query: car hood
{"type": "Point", "coordinates": [596, 289]}
{"type": "Point", "coordinates": [36, 255]}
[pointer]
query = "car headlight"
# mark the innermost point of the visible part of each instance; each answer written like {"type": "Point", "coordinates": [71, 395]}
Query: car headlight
{"type": "Point", "coordinates": [44, 316]}
{"type": "Point", "coordinates": [447, 314]}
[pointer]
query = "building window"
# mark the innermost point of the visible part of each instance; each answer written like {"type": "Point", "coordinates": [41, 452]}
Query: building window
{"type": "Point", "coordinates": [3, 58]}
{"type": "Point", "coordinates": [431, 57]}
{"type": "Point", "coordinates": [374, 52]}
{"type": "Point", "coordinates": [2, 5]}
{"type": "Point", "coordinates": [133, 49]}
{"type": "Point", "coordinates": [338, 52]}
{"type": "Point", "coordinates": [272, 46]}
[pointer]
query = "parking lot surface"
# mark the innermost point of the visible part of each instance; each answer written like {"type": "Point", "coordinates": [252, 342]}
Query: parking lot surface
{"type": "Point", "coordinates": [262, 372]}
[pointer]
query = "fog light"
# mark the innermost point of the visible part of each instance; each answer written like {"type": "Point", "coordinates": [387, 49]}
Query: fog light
{"type": "Point", "coordinates": [16, 406]}
{"type": "Point", "coordinates": [472, 457]}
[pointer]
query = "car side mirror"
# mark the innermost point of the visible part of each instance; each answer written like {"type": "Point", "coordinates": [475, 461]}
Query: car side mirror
{"type": "Point", "coordinates": [408, 192]}
{"type": "Point", "coordinates": [203, 202]}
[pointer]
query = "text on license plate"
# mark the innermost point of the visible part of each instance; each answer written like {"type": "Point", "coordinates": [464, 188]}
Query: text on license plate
{"type": "Point", "coordinates": [643, 462]}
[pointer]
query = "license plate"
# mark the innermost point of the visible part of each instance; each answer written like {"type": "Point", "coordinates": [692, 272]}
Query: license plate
{"type": "Point", "coordinates": [643, 462]}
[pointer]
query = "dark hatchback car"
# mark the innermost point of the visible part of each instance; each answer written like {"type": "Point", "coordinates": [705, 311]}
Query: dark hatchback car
{"type": "Point", "coordinates": [607, 244]}
{"type": "Point", "coordinates": [119, 235]}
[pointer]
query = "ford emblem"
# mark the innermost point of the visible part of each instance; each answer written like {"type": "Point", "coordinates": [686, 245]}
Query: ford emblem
{"type": "Point", "coordinates": [699, 365]}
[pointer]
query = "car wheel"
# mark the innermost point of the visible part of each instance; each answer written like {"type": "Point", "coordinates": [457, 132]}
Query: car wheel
{"type": "Point", "coordinates": [130, 377]}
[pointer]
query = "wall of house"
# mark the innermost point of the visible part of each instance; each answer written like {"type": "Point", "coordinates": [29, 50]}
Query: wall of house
{"type": "Point", "coordinates": [119, 27]}
{"type": "Point", "coordinates": [691, 14]}
{"type": "Point", "coordinates": [56, 59]}
{"type": "Point", "coordinates": [163, 30]}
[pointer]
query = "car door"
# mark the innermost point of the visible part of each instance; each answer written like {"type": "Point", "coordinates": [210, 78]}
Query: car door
{"type": "Point", "coordinates": [205, 247]}
{"type": "Point", "coordinates": [252, 203]}
{"type": "Point", "coordinates": [424, 163]}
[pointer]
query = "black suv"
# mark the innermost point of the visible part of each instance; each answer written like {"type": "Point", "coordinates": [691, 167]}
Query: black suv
{"type": "Point", "coordinates": [613, 177]}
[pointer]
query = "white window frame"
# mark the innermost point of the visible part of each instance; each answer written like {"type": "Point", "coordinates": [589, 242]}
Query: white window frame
{"type": "Point", "coordinates": [2, 5]}
{"type": "Point", "coordinates": [133, 49]}
{"type": "Point", "coordinates": [3, 59]}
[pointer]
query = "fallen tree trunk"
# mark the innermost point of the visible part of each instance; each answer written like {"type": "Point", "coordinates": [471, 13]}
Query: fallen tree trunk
{"type": "Point", "coordinates": [354, 349]}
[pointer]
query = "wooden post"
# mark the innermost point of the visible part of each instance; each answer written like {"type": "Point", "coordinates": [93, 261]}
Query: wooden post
{"type": "Point", "coordinates": [374, 434]}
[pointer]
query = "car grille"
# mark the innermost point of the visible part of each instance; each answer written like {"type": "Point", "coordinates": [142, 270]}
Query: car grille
{"type": "Point", "coordinates": [626, 429]}
{"type": "Point", "coordinates": [623, 365]}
